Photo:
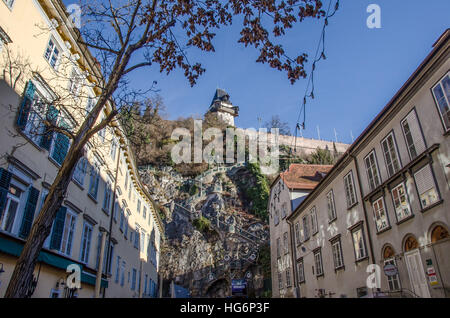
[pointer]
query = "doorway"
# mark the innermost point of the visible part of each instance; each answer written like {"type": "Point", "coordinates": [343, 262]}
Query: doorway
{"type": "Point", "coordinates": [417, 274]}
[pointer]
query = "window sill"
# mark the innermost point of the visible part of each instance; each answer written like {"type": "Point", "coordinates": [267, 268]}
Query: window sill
{"type": "Point", "coordinates": [302, 282]}
{"type": "Point", "coordinates": [92, 198]}
{"type": "Point", "coordinates": [432, 206]}
{"type": "Point", "coordinates": [54, 162]}
{"type": "Point", "coordinates": [361, 259]}
{"type": "Point", "coordinates": [332, 220]}
{"type": "Point", "coordinates": [320, 275]}
{"type": "Point", "coordinates": [315, 233]}
{"type": "Point", "coordinates": [339, 268]}
{"type": "Point", "coordinates": [405, 219]}
{"type": "Point", "coordinates": [384, 230]}
{"type": "Point", "coordinates": [34, 144]}
{"type": "Point", "coordinates": [447, 133]}
{"type": "Point", "coordinates": [78, 184]}
{"type": "Point", "coordinates": [352, 206]}
{"type": "Point", "coordinates": [105, 211]}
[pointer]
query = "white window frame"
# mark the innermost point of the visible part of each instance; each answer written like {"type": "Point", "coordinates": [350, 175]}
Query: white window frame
{"type": "Point", "coordinates": [288, 277]}
{"type": "Point", "coordinates": [395, 279]}
{"type": "Point", "coordinates": [380, 215]}
{"type": "Point", "coordinates": [391, 156]}
{"type": "Point", "coordinates": [446, 99]}
{"type": "Point", "coordinates": [18, 215]}
{"type": "Point", "coordinates": [372, 169]}
{"type": "Point", "coordinates": [69, 233]}
{"type": "Point", "coordinates": [400, 206]}
{"type": "Point", "coordinates": [318, 264]}
{"type": "Point", "coordinates": [285, 243]}
{"type": "Point", "coordinates": [278, 247]}
{"type": "Point", "coordinates": [306, 232]}
{"type": "Point", "coordinates": [314, 225]}
{"type": "Point", "coordinates": [297, 233]}
{"type": "Point", "coordinates": [338, 257]}
{"type": "Point", "coordinates": [434, 188]}
{"type": "Point", "coordinates": [52, 52]}
{"type": "Point", "coordinates": [350, 194]}
{"type": "Point", "coordinates": [79, 175]}
{"type": "Point", "coordinates": [84, 257]}
{"type": "Point", "coordinates": [417, 138]}
{"type": "Point", "coordinates": [76, 82]}
{"type": "Point", "coordinates": [301, 271]}
{"type": "Point", "coordinates": [331, 207]}
{"type": "Point", "coordinates": [358, 249]}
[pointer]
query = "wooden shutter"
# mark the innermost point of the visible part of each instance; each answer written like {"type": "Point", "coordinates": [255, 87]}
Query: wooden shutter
{"type": "Point", "coordinates": [416, 132]}
{"type": "Point", "coordinates": [424, 179]}
{"type": "Point", "coordinates": [28, 214]}
{"type": "Point", "coordinates": [61, 147]}
{"type": "Point", "coordinates": [58, 229]}
{"type": "Point", "coordinates": [5, 180]}
{"type": "Point", "coordinates": [25, 107]}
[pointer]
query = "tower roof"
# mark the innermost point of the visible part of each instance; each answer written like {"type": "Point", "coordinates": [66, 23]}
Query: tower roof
{"type": "Point", "coordinates": [220, 95]}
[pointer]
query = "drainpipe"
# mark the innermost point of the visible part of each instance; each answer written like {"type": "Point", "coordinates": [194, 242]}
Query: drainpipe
{"type": "Point", "coordinates": [98, 281]}
{"type": "Point", "coordinates": [364, 209]}
{"type": "Point", "coordinates": [111, 217]}
{"type": "Point", "coordinates": [293, 257]}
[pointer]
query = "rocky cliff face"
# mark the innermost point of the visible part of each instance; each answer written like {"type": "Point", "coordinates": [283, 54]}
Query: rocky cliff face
{"type": "Point", "coordinates": [205, 260]}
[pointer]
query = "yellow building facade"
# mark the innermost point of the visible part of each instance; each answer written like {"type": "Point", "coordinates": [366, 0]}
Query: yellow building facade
{"type": "Point", "coordinates": [107, 221]}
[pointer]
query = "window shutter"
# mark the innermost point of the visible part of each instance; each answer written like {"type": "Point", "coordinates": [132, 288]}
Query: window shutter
{"type": "Point", "coordinates": [415, 132]}
{"type": "Point", "coordinates": [5, 179]}
{"type": "Point", "coordinates": [58, 229]}
{"type": "Point", "coordinates": [26, 105]}
{"type": "Point", "coordinates": [424, 179]}
{"type": "Point", "coordinates": [61, 148]}
{"type": "Point", "coordinates": [52, 115]}
{"type": "Point", "coordinates": [28, 214]}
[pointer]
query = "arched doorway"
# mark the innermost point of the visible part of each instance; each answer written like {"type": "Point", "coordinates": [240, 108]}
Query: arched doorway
{"type": "Point", "coordinates": [439, 233]}
{"type": "Point", "coordinates": [390, 263]}
{"type": "Point", "coordinates": [416, 271]}
{"type": "Point", "coordinates": [388, 252]}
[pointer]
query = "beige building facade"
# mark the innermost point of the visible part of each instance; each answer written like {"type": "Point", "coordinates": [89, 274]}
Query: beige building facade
{"type": "Point", "coordinates": [108, 214]}
{"type": "Point", "coordinates": [378, 224]}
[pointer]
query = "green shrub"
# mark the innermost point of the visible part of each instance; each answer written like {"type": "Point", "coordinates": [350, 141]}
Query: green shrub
{"type": "Point", "coordinates": [202, 224]}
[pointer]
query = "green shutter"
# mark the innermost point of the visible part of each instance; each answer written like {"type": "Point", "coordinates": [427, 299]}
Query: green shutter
{"type": "Point", "coordinates": [28, 214]}
{"type": "Point", "coordinates": [5, 179]}
{"type": "Point", "coordinates": [26, 105]}
{"type": "Point", "coordinates": [61, 147]}
{"type": "Point", "coordinates": [52, 116]}
{"type": "Point", "coordinates": [58, 229]}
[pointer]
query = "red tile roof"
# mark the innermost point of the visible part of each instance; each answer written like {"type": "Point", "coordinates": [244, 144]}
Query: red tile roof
{"type": "Point", "coordinates": [303, 176]}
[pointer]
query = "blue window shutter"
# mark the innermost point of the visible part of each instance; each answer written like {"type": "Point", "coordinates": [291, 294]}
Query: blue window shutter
{"type": "Point", "coordinates": [52, 116]}
{"type": "Point", "coordinates": [28, 214]}
{"type": "Point", "coordinates": [25, 107]}
{"type": "Point", "coordinates": [61, 147]}
{"type": "Point", "coordinates": [58, 229]}
{"type": "Point", "coordinates": [5, 179]}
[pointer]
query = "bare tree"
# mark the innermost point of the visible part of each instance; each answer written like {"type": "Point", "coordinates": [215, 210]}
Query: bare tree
{"type": "Point", "coordinates": [276, 122]}
{"type": "Point", "coordinates": [125, 35]}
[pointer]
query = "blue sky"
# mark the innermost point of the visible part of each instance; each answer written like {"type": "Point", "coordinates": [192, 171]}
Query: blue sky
{"type": "Point", "coordinates": [363, 70]}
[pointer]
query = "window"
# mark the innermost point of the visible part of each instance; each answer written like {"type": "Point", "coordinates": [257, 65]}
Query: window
{"type": "Point", "coordinates": [336, 248]}
{"type": "Point", "coordinates": [122, 274]}
{"type": "Point", "coordinates": [331, 206]}
{"type": "Point", "coordinates": [401, 204]}
{"type": "Point", "coordinates": [305, 228]}
{"type": "Point", "coordinates": [280, 280]}
{"type": "Point", "coordinates": [113, 151]}
{"type": "Point", "coordinates": [441, 94]}
{"type": "Point", "coordinates": [314, 227]}
{"type": "Point", "coordinates": [126, 180]}
{"type": "Point", "coordinates": [139, 207]}
{"type": "Point", "coordinates": [301, 271]}
{"type": "Point", "coordinates": [142, 241]}
{"type": "Point", "coordinates": [318, 262]}
{"type": "Point", "coordinates": [90, 105]}
{"type": "Point", "coordinates": [116, 280]}
{"type": "Point", "coordinates": [277, 217]}
{"type": "Point", "coordinates": [102, 132]}
{"type": "Point", "coordinates": [145, 284]}
{"type": "Point", "coordinates": [9, 3]}
{"type": "Point", "coordinates": [380, 215]}
{"type": "Point", "coordinates": [122, 219]}
{"type": "Point", "coordinates": [285, 242]}
{"type": "Point", "coordinates": [11, 207]}
{"type": "Point", "coordinates": [426, 187]}
{"type": "Point", "coordinates": [61, 143]}
{"type": "Point", "coordinates": [107, 197]}
{"type": "Point", "coordinates": [133, 279]}
{"type": "Point", "coordinates": [350, 189]}
{"type": "Point", "coordinates": [394, 280]}
{"type": "Point", "coordinates": [284, 210]}
{"type": "Point", "coordinates": [278, 248]}
{"type": "Point", "coordinates": [75, 83]}
{"type": "Point", "coordinates": [94, 179]}
{"type": "Point", "coordinates": [86, 240]}
{"type": "Point", "coordinates": [288, 277]}
{"type": "Point", "coordinates": [144, 212]}
{"type": "Point", "coordinates": [69, 231]}
{"type": "Point", "coordinates": [136, 238]}
{"type": "Point", "coordinates": [80, 171]}
{"type": "Point", "coordinates": [413, 135]}
{"type": "Point", "coordinates": [372, 170]}
{"type": "Point", "coordinates": [390, 154]}
{"type": "Point", "coordinates": [297, 233]}
{"type": "Point", "coordinates": [359, 243]}
{"type": "Point", "coordinates": [52, 53]}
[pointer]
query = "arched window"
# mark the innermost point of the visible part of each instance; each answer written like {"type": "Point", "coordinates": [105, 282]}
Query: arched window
{"type": "Point", "coordinates": [439, 233]}
{"type": "Point", "coordinates": [411, 244]}
{"type": "Point", "coordinates": [388, 252]}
